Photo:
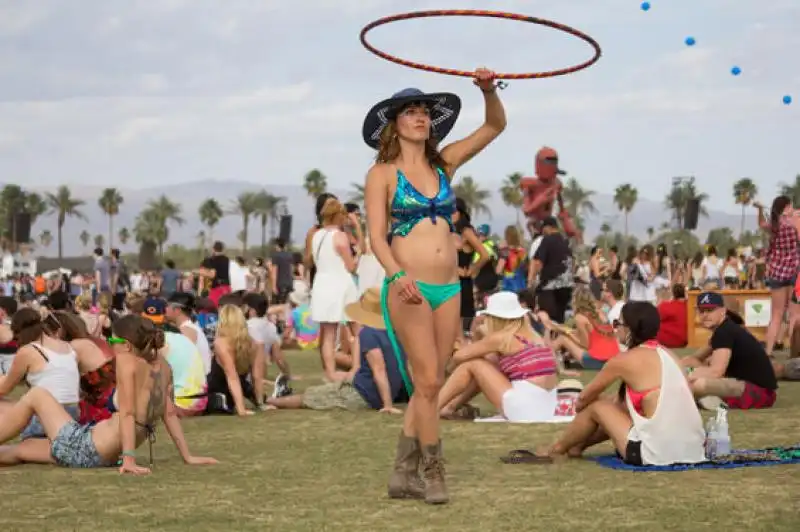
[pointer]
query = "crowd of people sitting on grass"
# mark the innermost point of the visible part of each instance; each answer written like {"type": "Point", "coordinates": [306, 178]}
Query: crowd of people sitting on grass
{"type": "Point", "coordinates": [100, 374]}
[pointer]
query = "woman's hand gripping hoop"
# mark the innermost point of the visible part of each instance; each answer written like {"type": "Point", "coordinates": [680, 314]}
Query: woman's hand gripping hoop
{"type": "Point", "coordinates": [482, 13]}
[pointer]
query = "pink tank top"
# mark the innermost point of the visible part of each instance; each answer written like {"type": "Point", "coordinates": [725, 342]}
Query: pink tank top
{"type": "Point", "coordinates": [530, 361]}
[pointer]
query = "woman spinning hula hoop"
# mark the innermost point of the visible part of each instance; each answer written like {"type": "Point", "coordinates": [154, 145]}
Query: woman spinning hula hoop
{"type": "Point", "coordinates": [421, 296]}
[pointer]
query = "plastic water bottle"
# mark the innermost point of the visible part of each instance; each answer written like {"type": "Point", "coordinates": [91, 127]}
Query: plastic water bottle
{"type": "Point", "coordinates": [711, 439]}
{"type": "Point", "coordinates": [723, 434]}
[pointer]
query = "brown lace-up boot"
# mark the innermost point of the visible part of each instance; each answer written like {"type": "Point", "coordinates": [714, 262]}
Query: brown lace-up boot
{"type": "Point", "coordinates": [405, 482]}
{"type": "Point", "coordinates": [432, 472]}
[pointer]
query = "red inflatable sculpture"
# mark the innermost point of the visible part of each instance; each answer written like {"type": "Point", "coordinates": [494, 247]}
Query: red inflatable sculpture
{"type": "Point", "coordinates": [540, 193]}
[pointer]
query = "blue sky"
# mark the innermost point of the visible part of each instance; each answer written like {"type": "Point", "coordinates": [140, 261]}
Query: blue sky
{"type": "Point", "coordinates": [138, 93]}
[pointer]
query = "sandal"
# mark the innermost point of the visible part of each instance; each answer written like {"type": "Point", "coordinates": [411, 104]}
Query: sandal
{"type": "Point", "coordinates": [523, 456]}
{"type": "Point", "coordinates": [463, 413]}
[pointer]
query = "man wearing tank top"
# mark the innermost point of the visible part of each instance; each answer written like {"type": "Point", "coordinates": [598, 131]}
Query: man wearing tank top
{"type": "Point", "coordinates": [733, 367]}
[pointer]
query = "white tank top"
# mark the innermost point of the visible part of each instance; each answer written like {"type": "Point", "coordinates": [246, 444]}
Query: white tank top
{"type": "Point", "coordinates": [675, 433]}
{"type": "Point", "coordinates": [201, 343]}
{"type": "Point", "coordinates": [60, 375]}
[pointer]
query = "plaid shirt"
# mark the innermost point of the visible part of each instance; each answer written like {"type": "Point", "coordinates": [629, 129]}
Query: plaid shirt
{"type": "Point", "coordinates": [783, 255]}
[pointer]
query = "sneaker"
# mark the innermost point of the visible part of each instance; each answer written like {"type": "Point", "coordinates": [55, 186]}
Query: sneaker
{"type": "Point", "coordinates": [281, 387]}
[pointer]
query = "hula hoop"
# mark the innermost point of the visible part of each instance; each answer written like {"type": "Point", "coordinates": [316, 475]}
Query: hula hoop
{"type": "Point", "coordinates": [481, 13]}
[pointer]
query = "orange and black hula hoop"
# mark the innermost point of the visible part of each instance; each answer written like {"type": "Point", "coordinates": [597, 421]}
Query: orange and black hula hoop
{"type": "Point", "coordinates": [481, 13]}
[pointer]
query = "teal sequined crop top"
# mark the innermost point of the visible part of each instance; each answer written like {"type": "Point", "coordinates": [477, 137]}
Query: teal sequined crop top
{"type": "Point", "coordinates": [409, 206]}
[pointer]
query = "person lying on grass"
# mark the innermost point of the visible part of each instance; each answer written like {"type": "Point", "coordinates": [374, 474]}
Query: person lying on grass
{"type": "Point", "coordinates": [144, 394]}
{"type": "Point", "coordinates": [378, 380]}
{"type": "Point", "coordinates": [653, 421]}
{"type": "Point", "coordinates": [734, 367]}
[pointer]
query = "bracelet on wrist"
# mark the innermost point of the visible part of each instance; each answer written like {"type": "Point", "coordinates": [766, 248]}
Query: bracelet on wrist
{"type": "Point", "coordinates": [132, 454]}
{"type": "Point", "coordinates": [395, 277]}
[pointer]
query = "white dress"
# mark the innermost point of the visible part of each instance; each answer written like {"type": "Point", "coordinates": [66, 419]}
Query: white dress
{"type": "Point", "coordinates": [334, 287]}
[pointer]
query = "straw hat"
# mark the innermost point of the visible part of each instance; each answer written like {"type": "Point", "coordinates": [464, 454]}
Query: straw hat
{"type": "Point", "coordinates": [367, 310]}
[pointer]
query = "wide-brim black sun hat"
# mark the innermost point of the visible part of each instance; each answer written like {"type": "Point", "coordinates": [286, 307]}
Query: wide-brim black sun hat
{"type": "Point", "coordinates": [444, 108]}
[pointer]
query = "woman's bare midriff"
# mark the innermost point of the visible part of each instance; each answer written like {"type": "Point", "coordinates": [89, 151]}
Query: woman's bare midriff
{"type": "Point", "coordinates": [428, 253]}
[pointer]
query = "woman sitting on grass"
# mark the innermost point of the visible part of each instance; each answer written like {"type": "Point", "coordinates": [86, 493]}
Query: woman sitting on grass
{"type": "Point", "coordinates": [143, 394]}
{"type": "Point", "coordinates": [593, 342]}
{"type": "Point", "coordinates": [522, 384]}
{"type": "Point", "coordinates": [235, 359]}
{"type": "Point", "coordinates": [654, 421]}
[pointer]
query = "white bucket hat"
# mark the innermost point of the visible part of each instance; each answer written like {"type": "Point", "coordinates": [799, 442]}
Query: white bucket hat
{"type": "Point", "coordinates": [504, 305]}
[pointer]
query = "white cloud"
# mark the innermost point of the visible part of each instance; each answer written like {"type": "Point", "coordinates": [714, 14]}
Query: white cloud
{"type": "Point", "coordinates": [266, 96]}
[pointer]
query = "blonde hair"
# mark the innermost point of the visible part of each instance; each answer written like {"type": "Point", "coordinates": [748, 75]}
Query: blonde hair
{"type": "Point", "coordinates": [333, 212]}
{"type": "Point", "coordinates": [104, 302]}
{"type": "Point", "coordinates": [584, 303]}
{"type": "Point", "coordinates": [232, 325]}
{"type": "Point", "coordinates": [508, 328]}
{"type": "Point", "coordinates": [83, 302]}
{"type": "Point", "coordinates": [389, 147]}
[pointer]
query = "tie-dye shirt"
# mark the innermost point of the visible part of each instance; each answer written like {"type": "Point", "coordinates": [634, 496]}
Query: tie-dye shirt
{"type": "Point", "coordinates": [188, 374]}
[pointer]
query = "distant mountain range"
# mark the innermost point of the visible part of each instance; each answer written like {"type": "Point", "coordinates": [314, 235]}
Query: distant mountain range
{"type": "Point", "coordinates": [647, 213]}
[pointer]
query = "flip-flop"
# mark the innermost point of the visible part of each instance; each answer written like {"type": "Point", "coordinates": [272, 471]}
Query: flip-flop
{"type": "Point", "coordinates": [524, 456]}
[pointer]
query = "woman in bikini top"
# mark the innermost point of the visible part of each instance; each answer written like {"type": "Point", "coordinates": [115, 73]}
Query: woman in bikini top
{"type": "Point", "coordinates": [411, 180]}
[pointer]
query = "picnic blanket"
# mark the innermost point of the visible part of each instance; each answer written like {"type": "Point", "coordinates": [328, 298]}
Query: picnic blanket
{"type": "Point", "coordinates": [740, 458]}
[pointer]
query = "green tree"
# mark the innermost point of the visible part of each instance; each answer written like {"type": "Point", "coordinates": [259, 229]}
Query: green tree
{"type": "Point", "coordinates": [124, 235]}
{"type": "Point", "coordinates": [315, 183]}
{"type": "Point", "coordinates": [578, 201]}
{"type": "Point", "coordinates": [210, 214]}
{"type": "Point", "coordinates": [681, 193]}
{"type": "Point", "coordinates": [792, 190]}
{"type": "Point", "coordinates": [744, 192]}
{"type": "Point", "coordinates": [110, 201]}
{"type": "Point", "coordinates": [245, 205]}
{"type": "Point", "coordinates": [357, 193]}
{"type": "Point", "coordinates": [721, 238]}
{"type": "Point", "coordinates": [626, 196]}
{"type": "Point", "coordinates": [155, 219]}
{"type": "Point", "coordinates": [473, 195]}
{"type": "Point", "coordinates": [64, 205]}
{"type": "Point", "coordinates": [84, 237]}
{"type": "Point", "coordinates": [99, 241]}
{"type": "Point", "coordinates": [511, 194]}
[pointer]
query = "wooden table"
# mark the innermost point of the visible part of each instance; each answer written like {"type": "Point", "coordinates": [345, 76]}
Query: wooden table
{"type": "Point", "coordinates": [752, 305]}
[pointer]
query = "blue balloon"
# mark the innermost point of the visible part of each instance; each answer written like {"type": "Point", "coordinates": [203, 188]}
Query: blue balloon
{"type": "Point", "coordinates": [787, 99]}
{"type": "Point", "coordinates": [645, 6]}
{"type": "Point", "coordinates": [690, 41]}
{"type": "Point", "coordinates": [736, 71]}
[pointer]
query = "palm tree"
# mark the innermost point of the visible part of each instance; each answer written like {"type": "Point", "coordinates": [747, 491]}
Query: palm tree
{"type": "Point", "coordinates": [682, 192]}
{"type": "Point", "coordinates": [792, 190]}
{"type": "Point", "coordinates": [110, 200]}
{"type": "Point", "coordinates": [12, 201]}
{"type": "Point", "coordinates": [46, 238]}
{"type": "Point", "coordinates": [578, 201]}
{"type": "Point", "coordinates": [268, 211]}
{"type": "Point", "coordinates": [473, 195]}
{"type": "Point", "coordinates": [357, 193]}
{"type": "Point", "coordinates": [150, 231]}
{"type": "Point", "coordinates": [245, 205]}
{"type": "Point", "coordinates": [605, 232]}
{"type": "Point", "coordinates": [99, 241]}
{"type": "Point", "coordinates": [625, 196]}
{"type": "Point", "coordinates": [64, 206]}
{"type": "Point", "coordinates": [315, 183]}
{"type": "Point", "coordinates": [210, 214]}
{"type": "Point", "coordinates": [124, 235]}
{"type": "Point", "coordinates": [511, 194]}
{"type": "Point", "coordinates": [201, 241]}
{"type": "Point", "coordinates": [35, 206]}
{"type": "Point", "coordinates": [84, 238]}
{"type": "Point", "coordinates": [163, 211]}
{"type": "Point", "coordinates": [744, 191]}
{"type": "Point", "coordinates": [651, 231]}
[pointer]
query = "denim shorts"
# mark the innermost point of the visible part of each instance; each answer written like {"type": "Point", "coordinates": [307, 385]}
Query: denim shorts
{"type": "Point", "coordinates": [35, 428]}
{"type": "Point", "coordinates": [774, 284]}
{"type": "Point", "coordinates": [74, 447]}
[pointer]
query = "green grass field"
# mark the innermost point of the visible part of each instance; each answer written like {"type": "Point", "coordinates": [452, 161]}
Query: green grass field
{"type": "Point", "coordinates": [315, 471]}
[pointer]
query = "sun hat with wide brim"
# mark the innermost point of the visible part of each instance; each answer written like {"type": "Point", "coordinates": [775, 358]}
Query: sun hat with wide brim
{"type": "Point", "coordinates": [444, 107]}
{"type": "Point", "coordinates": [504, 305]}
{"type": "Point", "coordinates": [367, 310]}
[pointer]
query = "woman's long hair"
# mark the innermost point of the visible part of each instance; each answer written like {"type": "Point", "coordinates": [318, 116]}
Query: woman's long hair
{"type": "Point", "coordinates": [643, 321]}
{"type": "Point", "coordinates": [232, 325]}
{"type": "Point", "coordinates": [509, 328]}
{"type": "Point", "coordinates": [779, 205]}
{"type": "Point", "coordinates": [29, 326]}
{"type": "Point", "coordinates": [145, 337]}
{"type": "Point", "coordinates": [389, 147]}
{"type": "Point", "coordinates": [584, 303]}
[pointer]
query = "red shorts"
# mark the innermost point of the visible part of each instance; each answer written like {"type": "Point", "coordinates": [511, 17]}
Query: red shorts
{"type": "Point", "coordinates": [753, 397]}
{"type": "Point", "coordinates": [216, 293]}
